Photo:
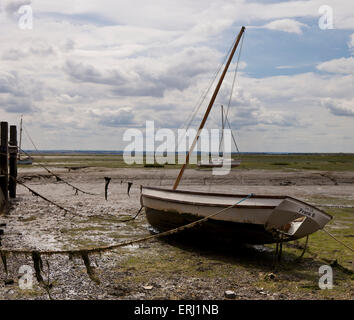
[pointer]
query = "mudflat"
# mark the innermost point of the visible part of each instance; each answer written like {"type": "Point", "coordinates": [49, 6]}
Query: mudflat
{"type": "Point", "coordinates": [169, 269]}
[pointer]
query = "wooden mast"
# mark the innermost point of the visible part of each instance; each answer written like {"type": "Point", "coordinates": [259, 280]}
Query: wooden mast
{"type": "Point", "coordinates": [212, 100]}
{"type": "Point", "coordinates": [222, 130]}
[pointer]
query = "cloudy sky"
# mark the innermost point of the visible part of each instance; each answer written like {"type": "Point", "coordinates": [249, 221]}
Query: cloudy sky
{"type": "Point", "coordinates": [88, 70]}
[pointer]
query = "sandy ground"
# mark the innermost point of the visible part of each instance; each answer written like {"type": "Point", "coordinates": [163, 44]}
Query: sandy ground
{"type": "Point", "coordinates": [34, 224]}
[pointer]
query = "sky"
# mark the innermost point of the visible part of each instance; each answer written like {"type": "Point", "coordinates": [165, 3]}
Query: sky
{"type": "Point", "coordinates": [89, 70]}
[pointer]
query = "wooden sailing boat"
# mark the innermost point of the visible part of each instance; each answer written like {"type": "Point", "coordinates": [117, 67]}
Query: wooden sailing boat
{"type": "Point", "coordinates": [27, 160]}
{"type": "Point", "coordinates": [255, 219]}
{"type": "Point", "coordinates": [220, 161]}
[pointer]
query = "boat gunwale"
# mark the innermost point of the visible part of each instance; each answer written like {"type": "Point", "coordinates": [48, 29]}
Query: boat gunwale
{"type": "Point", "coordinates": [227, 195]}
{"type": "Point", "coordinates": [210, 204]}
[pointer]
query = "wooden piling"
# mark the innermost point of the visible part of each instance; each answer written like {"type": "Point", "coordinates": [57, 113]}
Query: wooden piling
{"type": "Point", "coordinates": [13, 161]}
{"type": "Point", "coordinates": [4, 180]}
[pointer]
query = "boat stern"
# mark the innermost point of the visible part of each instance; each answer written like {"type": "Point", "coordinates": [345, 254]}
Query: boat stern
{"type": "Point", "coordinates": [296, 219]}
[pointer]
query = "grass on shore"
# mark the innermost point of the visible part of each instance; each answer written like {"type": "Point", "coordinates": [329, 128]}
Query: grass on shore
{"type": "Point", "coordinates": [298, 279]}
{"type": "Point", "coordinates": [290, 162]}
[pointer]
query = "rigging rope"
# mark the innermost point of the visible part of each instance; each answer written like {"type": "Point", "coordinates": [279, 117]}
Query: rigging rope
{"type": "Point", "coordinates": [200, 101]}
{"type": "Point", "coordinates": [236, 70]}
{"type": "Point", "coordinates": [231, 93]}
{"type": "Point", "coordinates": [203, 95]}
{"type": "Point", "coordinates": [232, 134]}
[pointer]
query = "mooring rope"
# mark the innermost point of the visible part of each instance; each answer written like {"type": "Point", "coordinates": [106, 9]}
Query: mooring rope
{"type": "Point", "coordinates": [35, 193]}
{"type": "Point", "coordinates": [124, 243]}
{"type": "Point", "coordinates": [59, 178]}
{"type": "Point", "coordinates": [132, 218]}
{"type": "Point", "coordinates": [339, 241]}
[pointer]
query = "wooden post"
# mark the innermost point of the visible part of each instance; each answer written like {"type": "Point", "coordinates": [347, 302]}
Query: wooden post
{"type": "Point", "coordinates": [4, 169]}
{"type": "Point", "coordinates": [13, 161]}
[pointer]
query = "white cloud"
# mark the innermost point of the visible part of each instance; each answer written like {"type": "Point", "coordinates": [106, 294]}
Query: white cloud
{"type": "Point", "coordinates": [90, 67]}
{"type": "Point", "coordinates": [114, 117]}
{"type": "Point", "coordinates": [184, 14]}
{"type": "Point", "coordinates": [344, 108]}
{"type": "Point", "coordinates": [11, 7]}
{"type": "Point", "coordinates": [22, 105]}
{"type": "Point", "coordinates": [286, 25]}
{"type": "Point", "coordinates": [342, 65]}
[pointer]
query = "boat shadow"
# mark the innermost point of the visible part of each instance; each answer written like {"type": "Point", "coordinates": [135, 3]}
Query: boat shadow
{"type": "Point", "coordinates": [260, 257]}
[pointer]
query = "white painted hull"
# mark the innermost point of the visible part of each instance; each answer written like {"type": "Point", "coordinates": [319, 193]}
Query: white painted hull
{"type": "Point", "coordinates": [273, 217]}
{"type": "Point", "coordinates": [218, 163]}
{"type": "Point", "coordinates": [25, 161]}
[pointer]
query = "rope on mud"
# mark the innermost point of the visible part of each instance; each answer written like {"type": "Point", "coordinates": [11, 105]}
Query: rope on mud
{"type": "Point", "coordinates": [84, 253]}
{"type": "Point", "coordinates": [342, 243]}
{"type": "Point", "coordinates": [35, 193]}
{"type": "Point", "coordinates": [76, 189]}
{"type": "Point", "coordinates": [132, 218]}
{"type": "Point", "coordinates": [59, 178]}
{"type": "Point", "coordinates": [125, 243]}
{"type": "Point", "coordinates": [4, 261]}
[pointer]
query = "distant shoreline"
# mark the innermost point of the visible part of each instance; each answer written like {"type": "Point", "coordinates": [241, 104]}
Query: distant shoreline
{"type": "Point", "coordinates": [120, 152]}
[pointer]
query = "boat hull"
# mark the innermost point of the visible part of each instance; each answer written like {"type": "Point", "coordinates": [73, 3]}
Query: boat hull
{"type": "Point", "coordinates": [255, 220]}
{"type": "Point", "coordinates": [211, 230]}
{"type": "Point", "coordinates": [218, 164]}
{"type": "Point", "coordinates": [27, 161]}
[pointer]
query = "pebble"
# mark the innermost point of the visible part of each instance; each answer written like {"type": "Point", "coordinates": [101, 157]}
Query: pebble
{"type": "Point", "coordinates": [148, 287]}
{"type": "Point", "coordinates": [230, 294]}
{"type": "Point", "coordinates": [270, 276]}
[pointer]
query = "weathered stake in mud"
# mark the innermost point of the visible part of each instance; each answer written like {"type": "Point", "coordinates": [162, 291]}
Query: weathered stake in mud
{"type": "Point", "coordinates": [129, 186]}
{"type": "Point", "coordinates": [107, 181]}
{"type": "Point", "coordinates": [8, 150]}
{"type": "Point", "coordinates": [13, 161]}
{"type": "Point", "coordinates": [4, 160]}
